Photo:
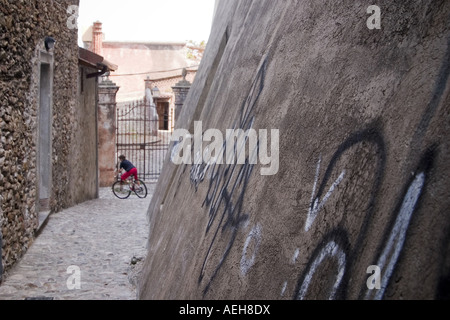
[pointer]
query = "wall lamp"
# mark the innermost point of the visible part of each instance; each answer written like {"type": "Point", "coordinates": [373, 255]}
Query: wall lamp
{"type": "Point", "coordinates": [156, 93]}
{"type": "Point", "coordinates": [49, 43]}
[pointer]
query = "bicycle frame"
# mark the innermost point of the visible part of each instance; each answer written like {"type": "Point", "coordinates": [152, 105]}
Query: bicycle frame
{"type": "Point", "coordinates": [122, 189]}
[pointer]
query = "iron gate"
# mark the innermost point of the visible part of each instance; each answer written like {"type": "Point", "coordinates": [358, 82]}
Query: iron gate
{"type": "Point", "coordinates": [142, 136]}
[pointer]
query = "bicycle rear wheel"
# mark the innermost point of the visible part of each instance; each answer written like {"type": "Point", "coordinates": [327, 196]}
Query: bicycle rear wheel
{"type": "Point", "coordinates": [121, 190]}
{"type": "Point", "coordinates": [143, 192]}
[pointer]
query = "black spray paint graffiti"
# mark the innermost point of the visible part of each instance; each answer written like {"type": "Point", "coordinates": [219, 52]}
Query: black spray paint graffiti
{"type": "Point", "coordinates": [396, 234]}
{"type": "Point", "coordinates": [394, 240]}
{"type": "Point", "coordinates": [336, 245]}
{"type": "Point", "coordinates": [227, 186]}
{"type": "Point", "coordinates": [436, 98]}
{"type": "Point", "coordinates": [370, 136]}
{"type": "Point", "coordinates": [226, 191]}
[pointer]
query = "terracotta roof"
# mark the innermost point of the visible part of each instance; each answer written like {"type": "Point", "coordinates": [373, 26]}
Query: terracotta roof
{"type": "Point", "coordinates": [93, 60]}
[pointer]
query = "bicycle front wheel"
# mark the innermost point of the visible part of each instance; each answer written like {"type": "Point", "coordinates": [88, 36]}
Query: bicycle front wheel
{"type": "Point", "coordinates": [142, 192]}
{"type": "Point", "coordinates": [121, 190]}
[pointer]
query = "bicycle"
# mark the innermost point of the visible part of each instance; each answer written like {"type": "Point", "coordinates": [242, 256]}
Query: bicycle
{"type": "Point", "coordinates": [123, 190]}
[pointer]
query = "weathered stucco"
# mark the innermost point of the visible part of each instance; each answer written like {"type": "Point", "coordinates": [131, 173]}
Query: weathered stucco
{"type": "Point", "coordinates": [363, 179]}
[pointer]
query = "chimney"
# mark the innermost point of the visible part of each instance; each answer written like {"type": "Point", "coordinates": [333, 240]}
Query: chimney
{"type": "Point", "coordinates": [97, 38]}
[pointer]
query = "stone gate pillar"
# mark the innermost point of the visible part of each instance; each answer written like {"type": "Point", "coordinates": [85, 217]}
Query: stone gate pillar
{"type": "Point", "coordinates": [181, 90]}
{"type": "Point", "coordinates": [107, 91]}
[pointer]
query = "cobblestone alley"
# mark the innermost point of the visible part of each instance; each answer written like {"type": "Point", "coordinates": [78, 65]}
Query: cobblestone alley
{"type": "Point", "coordinates": [92, 251]}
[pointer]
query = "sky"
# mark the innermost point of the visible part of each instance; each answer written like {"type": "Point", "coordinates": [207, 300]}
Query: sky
{"type": "Point", "coordinates": [148, 20]}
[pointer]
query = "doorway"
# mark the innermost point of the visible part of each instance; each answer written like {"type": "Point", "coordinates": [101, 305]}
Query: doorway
{"type": "Point", "coordinates": [163, 114]}
{"type": "Point", "coordinates": [45, 134]}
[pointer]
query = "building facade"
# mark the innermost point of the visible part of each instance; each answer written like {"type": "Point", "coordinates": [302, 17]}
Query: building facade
{"type": "Point", "coordinates": [144, 65]}
{"type": "Point", "coordinates": [48, 120]}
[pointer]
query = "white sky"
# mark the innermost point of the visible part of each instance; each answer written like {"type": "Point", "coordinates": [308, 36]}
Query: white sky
{"type": "Point", "coordinates": [148, 20]}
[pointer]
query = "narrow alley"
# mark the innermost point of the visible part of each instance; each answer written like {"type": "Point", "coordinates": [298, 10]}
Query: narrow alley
{"type": "Point", "coordinates": [92, 251]}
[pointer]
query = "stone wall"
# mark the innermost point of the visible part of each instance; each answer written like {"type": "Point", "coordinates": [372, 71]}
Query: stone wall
{"type": "Point", "coordinates": [23, 28]}
{"type": "Point", "coordinates": [358, 207]}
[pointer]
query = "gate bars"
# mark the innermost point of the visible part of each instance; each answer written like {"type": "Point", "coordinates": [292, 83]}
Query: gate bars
{"type": "Point", "coordinates": [141, 137]}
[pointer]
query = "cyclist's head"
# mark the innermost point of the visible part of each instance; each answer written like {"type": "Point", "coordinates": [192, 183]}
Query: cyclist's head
{"type": "Point", "coordinates": [122, 157]}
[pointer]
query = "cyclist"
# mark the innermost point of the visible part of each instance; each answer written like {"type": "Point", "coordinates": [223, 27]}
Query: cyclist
{"type": "Point", "coordinates": [130, 170]}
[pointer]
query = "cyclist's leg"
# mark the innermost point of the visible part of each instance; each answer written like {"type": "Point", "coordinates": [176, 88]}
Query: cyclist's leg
{"type": "Point", "coordinates": [134, 172]}
{"type": "Point", "coordinates": [125, 176]}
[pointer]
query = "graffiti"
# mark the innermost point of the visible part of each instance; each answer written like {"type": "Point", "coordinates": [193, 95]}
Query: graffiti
{"type": "Point", "coordinates": [229, 199]}
{"type": "Point", "coordinates": [437, 95]}
{"type": "Point", "coordinates": [390, 253]}
{"type": "Point", "coordinates": [363, 151]}
{"type": "Point", "coordinates": [295, 256]}
{"type": "Point", "coordinates": [255, 236]}
{"type": "Point", "coordinates": [338, 247]}
{"type": "Point", "coordinates": [397, 236]}
{"type": "Point", "coordinates": [222, 178]}
{"type": "Point", "coordinates": [226, 192]}
{"type": "Point", "coordinates": [333, 249]}
{"type": "Point", "coordinates": [357, 167]}
{"type": "Point", "coordinates": [316, 206]}
{"type": "Point", "coordinates": [389, 257]}
{"type": "Point", "coordinates": [198, 172]}
{"type": "Point", "coordinates": [390, 250]}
